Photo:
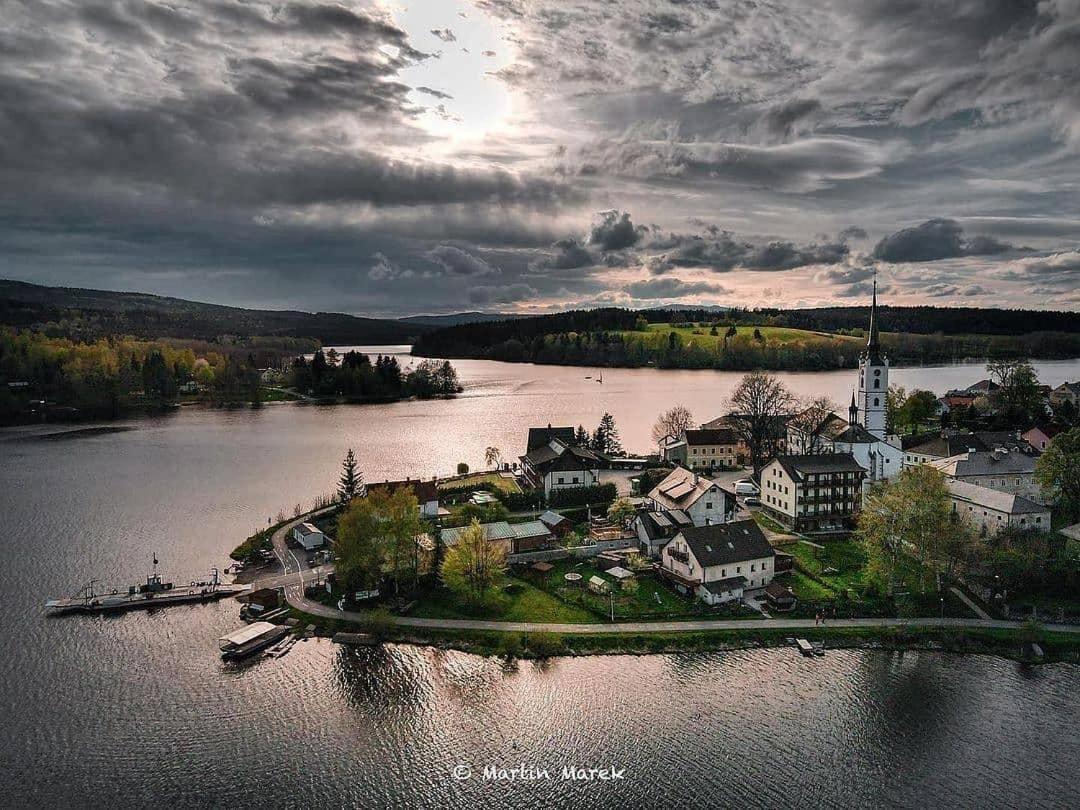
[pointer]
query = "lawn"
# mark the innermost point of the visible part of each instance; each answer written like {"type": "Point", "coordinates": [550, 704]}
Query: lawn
{"type": "Point", "coordinates": [486, 479]}
{"type": "Point", "coordinates": [657, 335]}
{"type": "Point", "coordinates": [521, 602]}
{"type": "Point", "coordinates": [839, 562]}
{"type": "Point", "coordinates": [767, 522]}
{"type": "Point", "coordinates": [652, 599]}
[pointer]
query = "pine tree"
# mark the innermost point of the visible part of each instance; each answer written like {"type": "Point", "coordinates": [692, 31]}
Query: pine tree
{"type": "Point", "coordinates": [581, 436]}
{"type": "Point", "coordinates": [606, 438]}
{"type": "Point", "coordinates": [352, 481]}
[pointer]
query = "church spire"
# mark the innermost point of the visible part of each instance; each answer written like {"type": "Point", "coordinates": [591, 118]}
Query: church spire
{"type": "Point", "coordinates": [853, 410]}
{"type": "Point", "coordinates": [873, 340]}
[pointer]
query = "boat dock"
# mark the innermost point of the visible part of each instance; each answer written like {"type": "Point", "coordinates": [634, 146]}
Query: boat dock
{"type": "Point", "coordinates": [154, 593]}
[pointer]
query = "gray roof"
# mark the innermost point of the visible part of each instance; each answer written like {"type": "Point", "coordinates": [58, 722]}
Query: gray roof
{"type": "Point", "coordinates": [500, 530]}
{"type": "Point", "coordinates": [531, 528]}
{"type": "Point", "coordinates": [945, 446]}
{"type": "Point", "coordinates": [540, 436]}
{"type": "Point", "coordinates": [992, 499]}
{"type": "Point", "coordinates": [799, 466]}
{"type": "Point", "coordinates": [718, 435]}
{"type": "Point", "coordinates": [308, 528]}
{"type": "Point", "coordinates": [726, 543]}
{"type": "Point", "coordinates": [550, 518]}
{"type": "Point", "coordinates": [986, 463]}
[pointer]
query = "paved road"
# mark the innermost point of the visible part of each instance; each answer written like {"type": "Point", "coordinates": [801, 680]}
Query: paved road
{"type": "Point", "coordinates": [296, 574]}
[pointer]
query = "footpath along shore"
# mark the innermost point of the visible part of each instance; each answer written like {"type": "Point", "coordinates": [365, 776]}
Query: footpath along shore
{"type": "Point", "coordinates": [296, 575]}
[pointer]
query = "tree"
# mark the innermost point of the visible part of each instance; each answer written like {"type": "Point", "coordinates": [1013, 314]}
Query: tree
{"type": "Point", "coordinates": [760, 403]}
{"type": "Point", "coordinates": [1019, 398]}
{"type": "Point", "coordinates": [360, 551]}
{"type": "Point", "coordinates": [606, 437]}
{"type": "Point", "coordinates": [809, 422]}
{"type": "Point", "coordinates": [621, 511]}
{"type": "Point", "coordinates": [462, 468]}
{"type": "Point", "coordinates": [474, 566]}
{"type": "Point", "coordinates": [1058, 473]}
{"type": "Point", "coordinates": [672, 422]}
{"type": "Point", "coordinates": [894, 404]}
{"type": "Point", "coordinates": [351, 482]}
{"type": "Point", "coordinates": [491, 457]}
{"type": "Point", "coordinates": [581, 436]}
{"type": "Point", "coordinates": [909, 532]}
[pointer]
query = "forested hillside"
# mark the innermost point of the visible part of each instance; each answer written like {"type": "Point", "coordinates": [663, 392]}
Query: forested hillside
{"type": "Point", "coordinates": [90, 314]}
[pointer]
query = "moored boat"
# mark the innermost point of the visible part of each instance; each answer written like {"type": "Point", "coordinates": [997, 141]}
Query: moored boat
{"type": "Point", "coordinates": [250, 639]}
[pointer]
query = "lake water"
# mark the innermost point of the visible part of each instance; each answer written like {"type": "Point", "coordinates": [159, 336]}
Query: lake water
{"type": "Point", "coordinates": [138, 709]}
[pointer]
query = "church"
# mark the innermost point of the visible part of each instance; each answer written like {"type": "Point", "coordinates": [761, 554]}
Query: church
{"type": "Point", "coordinates": [863, 434]}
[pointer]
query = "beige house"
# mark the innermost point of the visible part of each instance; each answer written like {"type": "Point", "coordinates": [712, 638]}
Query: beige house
{"type": "Point", "coordinates": [813, 493]}
{"type": "Point", "coordinates": [991, 510]}
{"type": "Point", "coordinates": [712, 449]}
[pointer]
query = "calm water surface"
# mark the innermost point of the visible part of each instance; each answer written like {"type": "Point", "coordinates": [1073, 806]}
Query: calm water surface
{"type": "Point", "coordinates": [138, 709]}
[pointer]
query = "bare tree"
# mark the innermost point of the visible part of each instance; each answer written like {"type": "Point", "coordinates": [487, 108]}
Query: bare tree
{"type": "Point", "coordinates": [760, 404]}
{"type": "Point", "coordinates": [810, 422]}
{"type": "Point", "coordinates": [492, 457]}
{"type": "Point", "coordinates": [672, 422]}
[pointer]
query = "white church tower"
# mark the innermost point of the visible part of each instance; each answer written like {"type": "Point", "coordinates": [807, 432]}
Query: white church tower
{"type": "Point", "coordinates": [873, 378]}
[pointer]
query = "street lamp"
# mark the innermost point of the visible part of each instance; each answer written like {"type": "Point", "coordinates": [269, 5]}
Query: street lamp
{"type": "Point", "coordinates": [943, 607]}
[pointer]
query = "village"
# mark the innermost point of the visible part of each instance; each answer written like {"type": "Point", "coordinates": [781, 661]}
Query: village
{"type": "Point", "coordinates": [912, 506]}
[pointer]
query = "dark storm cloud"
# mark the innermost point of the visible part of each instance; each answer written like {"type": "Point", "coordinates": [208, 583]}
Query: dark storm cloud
{"type": "Point", "coordinates": [614, 231]}
{"type": "Point", "coordinates": [569, 254]}
{"type": "Point", "coordinates": [431, 92]}
{"type": "Point", "coordinates": [722, 251]}
{"type": "Point", "coordinates": [852, 232]}
{"type": "Point", "coordinates": [460, 263]}
{"type": "Point", "coordinates": [501, 294]}
{"type": "Point", "coordinates": [936, 239]}
{"type": "Point", "coordinates": [671, 287]}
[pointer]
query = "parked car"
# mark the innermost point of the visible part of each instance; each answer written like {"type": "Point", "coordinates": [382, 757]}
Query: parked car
{"type": "Point", "coordinates": [746, 487]}
{"type": "Point", "coordinates": [753, 501]}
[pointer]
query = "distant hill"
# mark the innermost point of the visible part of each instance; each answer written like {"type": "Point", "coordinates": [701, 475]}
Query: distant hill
{"type": "Point", "coordinates": [457, 318]}
{"type": "Point", "coordinates": [89, 314]}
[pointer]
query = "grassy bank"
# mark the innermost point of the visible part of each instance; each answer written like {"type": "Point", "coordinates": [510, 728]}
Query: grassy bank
{"type": "Point", "coordinates": [1005, 643]}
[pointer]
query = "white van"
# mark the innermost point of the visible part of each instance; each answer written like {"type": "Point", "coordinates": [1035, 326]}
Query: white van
{"type": "Point", "coordinates": [746, 487]}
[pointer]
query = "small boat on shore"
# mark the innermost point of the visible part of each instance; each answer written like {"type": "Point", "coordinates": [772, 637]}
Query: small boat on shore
{"type": "Point", "coordinates": [155, 592]}
{"type": "Point", "coordinates": [805, 647]}
{"type": "Point", "coordinates": [250, 639]}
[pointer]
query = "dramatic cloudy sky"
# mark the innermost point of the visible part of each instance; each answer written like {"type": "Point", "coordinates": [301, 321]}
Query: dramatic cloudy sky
{"type": "Point", "coordinates": [398, 156]}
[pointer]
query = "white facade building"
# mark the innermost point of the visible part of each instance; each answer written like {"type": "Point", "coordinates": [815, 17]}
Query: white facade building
{"type": "Point", "coordinates": [719, 563]}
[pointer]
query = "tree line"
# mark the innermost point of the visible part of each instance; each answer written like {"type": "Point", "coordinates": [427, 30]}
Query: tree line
{"type": "Point", "coordinates": [355, 377]}
{"type": "Point", "coordinates": [620, 338]}
{"type": "Point", "coordinates": [106, 377]}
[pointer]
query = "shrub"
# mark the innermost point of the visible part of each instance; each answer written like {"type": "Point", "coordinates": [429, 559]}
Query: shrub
{"type": "Point", "coordinates": [579, 496]}
{"type": "Point", "coordinates": [510, 646]}
{"type": "Point", "coordinates": [379, 622]}
{"type": "Point", "coordinates": [545, 645]}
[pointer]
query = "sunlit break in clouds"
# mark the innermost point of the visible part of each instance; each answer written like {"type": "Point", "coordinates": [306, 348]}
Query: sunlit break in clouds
{"type": "Point", "coordinates": [400, 157]}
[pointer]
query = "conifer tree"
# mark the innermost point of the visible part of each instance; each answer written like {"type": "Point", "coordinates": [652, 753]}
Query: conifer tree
{"type": "Point", "coordinates": [352, 480]}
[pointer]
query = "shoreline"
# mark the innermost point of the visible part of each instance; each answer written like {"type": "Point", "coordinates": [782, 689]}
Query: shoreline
{"type": "Point", "coordinates": [1008, 644]}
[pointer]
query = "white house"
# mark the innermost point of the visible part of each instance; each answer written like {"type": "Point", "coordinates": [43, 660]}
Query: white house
{"type": "Point", "coordinates": [817, 431]}
{"type": "Point", "coordinates": [699, 497]}
{"type": "Point", "coordinates": [991, 511]}
{"type": "Point", "coordinates": [719, 563]}
{"type": "Point", "coordinates": [552, 461]}
{"type": "Point", "coordinates": [309, 536]}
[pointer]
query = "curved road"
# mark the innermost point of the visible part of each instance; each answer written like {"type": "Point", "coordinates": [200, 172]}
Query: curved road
{"type": "Point", "coordinates": [296, 574]}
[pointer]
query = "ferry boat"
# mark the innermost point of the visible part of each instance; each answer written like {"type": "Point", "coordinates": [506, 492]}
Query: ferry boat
{"type": "Point", "coordinates": [155, 592]}
{"type": "Point", "coordinates": [250, 639]}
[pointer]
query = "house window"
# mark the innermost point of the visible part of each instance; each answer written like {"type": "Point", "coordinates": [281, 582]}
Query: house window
{"type": "Point", "coordinates": [574, 481]}
{"type": "Point", "coordinates": [708, 504]}
{"type": "Point", "coordinates": [738, 569]}
{"type": "Point", "coordinates": [753, 567]}
{"type": "Point", "coordinates": [562, 480]}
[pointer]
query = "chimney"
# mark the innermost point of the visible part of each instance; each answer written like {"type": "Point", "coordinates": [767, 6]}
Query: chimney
{"type": "Point", "coordinates": [695, 479]}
